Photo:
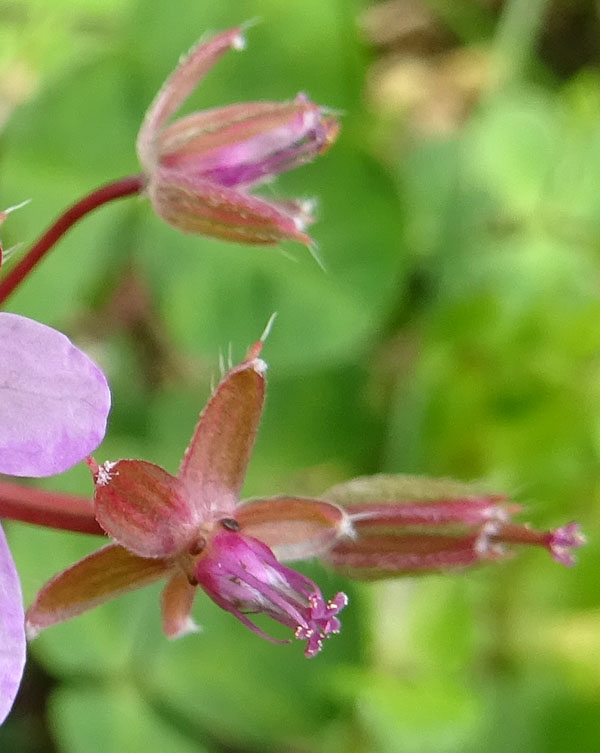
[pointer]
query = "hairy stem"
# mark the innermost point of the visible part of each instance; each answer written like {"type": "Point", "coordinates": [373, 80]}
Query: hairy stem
{"type": "Point", "coordinates": [118, 189]}
{"type": "Point", "coordinates": [50, 509]}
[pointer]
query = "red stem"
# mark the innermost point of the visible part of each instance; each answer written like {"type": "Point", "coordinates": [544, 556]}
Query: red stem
{"type": "Point", "coordinates": [128, 186]}
{"type": "Point", "coordinates": [51, 509]}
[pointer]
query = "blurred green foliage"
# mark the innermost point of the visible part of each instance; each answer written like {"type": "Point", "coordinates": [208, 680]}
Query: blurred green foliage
{"type": "Point", "coordinates": [456, 332]}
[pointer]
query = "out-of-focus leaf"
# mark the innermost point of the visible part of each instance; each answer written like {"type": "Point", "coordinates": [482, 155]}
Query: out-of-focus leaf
{"type": "Point", "coordinates": [114, 717]}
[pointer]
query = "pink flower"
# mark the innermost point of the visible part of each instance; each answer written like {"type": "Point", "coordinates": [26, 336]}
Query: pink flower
{"type": "Point", "coordinates": [201, 167]}
{"type": "Point", "coordinates": [54, 402]}
{"type": "Point", "coordinates": [192, 530]}
{"type": "Point", "coordinates": [242, 575]}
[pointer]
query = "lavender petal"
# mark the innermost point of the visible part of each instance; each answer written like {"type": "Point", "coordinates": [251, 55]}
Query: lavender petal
{"type": "Point", "coordinates": [12, 630]}
{"type": "Point", "coordinates": [54, 401]}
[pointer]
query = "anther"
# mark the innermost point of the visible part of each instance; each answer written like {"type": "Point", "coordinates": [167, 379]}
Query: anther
{"type": "Point", "coordinates": [197, 546]}
{"type": "Point", "coordinates": [230, 524]}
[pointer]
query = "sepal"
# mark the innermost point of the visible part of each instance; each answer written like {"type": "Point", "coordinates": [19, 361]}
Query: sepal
{"type": "Point", "coordinates": [103, 575]}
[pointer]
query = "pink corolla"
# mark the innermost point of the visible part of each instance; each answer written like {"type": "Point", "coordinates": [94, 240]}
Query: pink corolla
{"type": "Point", "coordinates": [200, 168]}
{"type": "Point", "coordinates": [192, 530]}
{"type": "Point", "coordinates": [53, 407]}
{"type": "Point", "coordinates": [54, 402]}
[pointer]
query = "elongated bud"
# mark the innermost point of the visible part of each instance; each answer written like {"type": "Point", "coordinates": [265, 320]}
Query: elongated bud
{"type": "Point", "coordinates": [408, 525]}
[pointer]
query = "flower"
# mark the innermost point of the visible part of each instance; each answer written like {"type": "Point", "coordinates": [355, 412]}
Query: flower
{"type": "Point", "coordinates": [54, 402]}
{"type": "Point", "coordinates": [242, 574]}
{"type": "Point", "coordinates": [200, 167]}
{"type": "Point", "coordinates": [53, 407]}
{"type": "Point", "coordinates": [192, 530]}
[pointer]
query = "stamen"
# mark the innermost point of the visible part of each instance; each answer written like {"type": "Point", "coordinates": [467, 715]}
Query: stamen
{"type": "Point", "coordinates": [198, 546]}
{"type": "Point", "coordinates": [230, 524]}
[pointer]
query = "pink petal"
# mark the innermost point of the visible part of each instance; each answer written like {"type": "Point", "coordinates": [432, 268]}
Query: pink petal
{"type": "Point", "coordinates": [144, 508]}
{"type": "Point", "coordinates": [294, 528]}
{"type": "Point", "coordinates": [101, 576]}
{"type": "Point", "coordinates": [202, 207]}
{"type": "Point", "coordinates": [248, 144]}
{"type": "Point", "coordinates": [562, 540]}
{"type": "Point", "coordinates": [180, 84]}
{"type": "Point", "coordinates": [176, 603]}
{"type": "Point", "coordinates": [12, 630]}
{"type": "Point", "coordinates": [243, 576]}
{"type": "Point", "coordinates": [211, 129]}
{"type": "Point", "coordinates": [215, 462]}
{"type": "Point", "coordinates": [54, 401]}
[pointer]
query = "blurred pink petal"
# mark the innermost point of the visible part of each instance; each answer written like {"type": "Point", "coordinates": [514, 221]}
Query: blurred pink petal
{"type": "Point", "coordinates": [181, 83]}
{"type": "Point", "coordinates": [12, 630]}
{"type": "Point", "coordinates": [203, 207]}
{"type": "Point", "coordinates": [243, 145]}
{"type": "Point", "coordinates": [54, 401]}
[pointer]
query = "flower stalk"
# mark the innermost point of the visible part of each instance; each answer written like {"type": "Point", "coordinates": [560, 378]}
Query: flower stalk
{"type": "Point", "coordinates": [117, 189]}
{"type": "Point", "coordinates": [65, 512]}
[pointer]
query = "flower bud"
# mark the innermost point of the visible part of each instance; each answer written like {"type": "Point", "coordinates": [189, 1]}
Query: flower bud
{"type": "Point", "coordinates": [200, 167]}
{"type": "Point", "coordinates": [405, 525]}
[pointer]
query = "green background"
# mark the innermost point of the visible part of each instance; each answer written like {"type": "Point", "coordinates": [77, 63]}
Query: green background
{"type": "Point", "coordinates": [456, 332]}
